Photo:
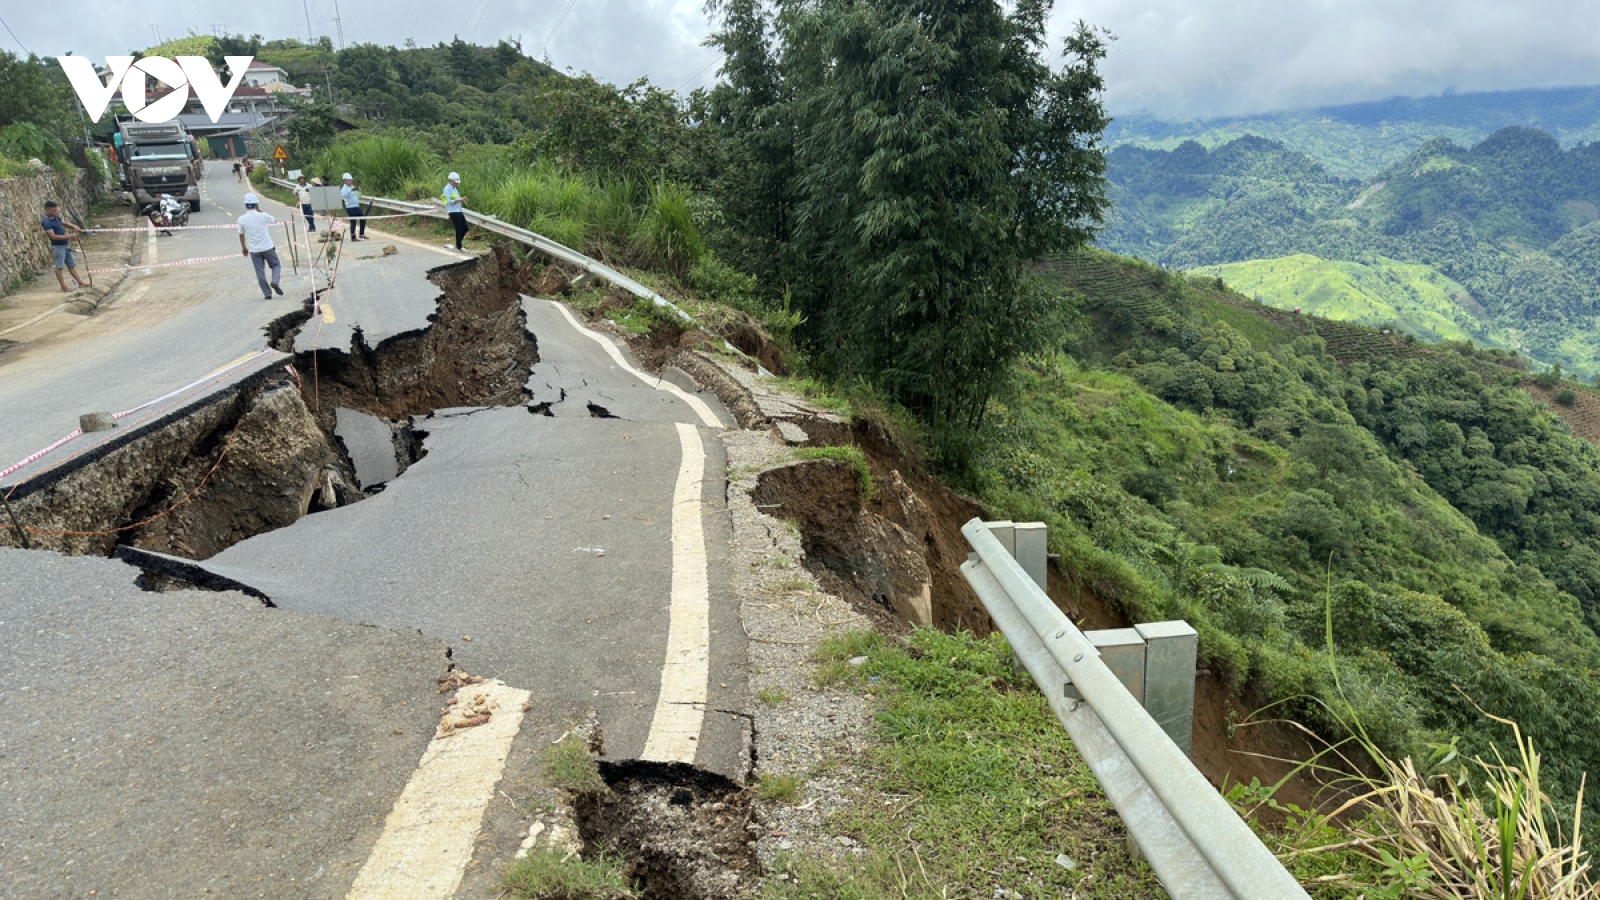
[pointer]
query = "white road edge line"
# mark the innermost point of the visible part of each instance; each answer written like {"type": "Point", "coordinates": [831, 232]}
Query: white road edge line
{"type": "Point", "coordinates": [430, 834]}
{"type": "Point", "coordinates": [699, 406]}
{"type": "Point", "coordinates": [680, 707]}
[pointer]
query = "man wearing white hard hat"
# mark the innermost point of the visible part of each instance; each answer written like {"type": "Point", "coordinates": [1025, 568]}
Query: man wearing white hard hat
{"type": "Point", "coordinates": [255, 241]}
{"type": "Point", "coordinates": [452, 204]}
{"type": "Point", "coordinates": [352, 208]}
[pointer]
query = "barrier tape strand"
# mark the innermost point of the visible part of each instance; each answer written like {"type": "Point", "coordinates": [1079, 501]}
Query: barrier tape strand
{"type": "Point", "coordinates": [78, 432]}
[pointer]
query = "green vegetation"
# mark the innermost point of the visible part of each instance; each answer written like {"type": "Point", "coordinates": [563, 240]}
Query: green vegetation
{"type": "Point", "coordinates": [901, 229]}
{"type": "Point", "coordinates": [1360, 139]}
{"type": "Point", "coordinates": [851, 455]}
{"type": "Point", "coordinates": [779, 788]}
{"type": "Point", "coordinates": [551, 875]}
{"type": "Point", "coordinates": [569, 765]}
{"type": "Point", "coordinates": [36, 114]}
{"type": "Point", "coordinates": [1379, 294]}
{"type": "Point", "coordinates": [986, 789]}
{"type": "Point", "coordinates": [1498, 242]}
{"type": "Point", "coordinates": [1188, 471]}
{"type": "Point", "coordinates": [772, 697]}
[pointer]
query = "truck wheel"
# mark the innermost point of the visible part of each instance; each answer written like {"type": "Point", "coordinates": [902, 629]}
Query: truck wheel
{"type": "Point", "coordinates": [195, 206]}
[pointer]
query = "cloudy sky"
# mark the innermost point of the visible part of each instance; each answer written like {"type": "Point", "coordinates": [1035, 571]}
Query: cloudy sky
{"type": "Point", "coordinates": [1175, 58]}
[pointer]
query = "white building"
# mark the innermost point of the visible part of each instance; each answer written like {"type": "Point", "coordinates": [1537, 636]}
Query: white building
{"type": "Point", "coordinates": [260, 74]}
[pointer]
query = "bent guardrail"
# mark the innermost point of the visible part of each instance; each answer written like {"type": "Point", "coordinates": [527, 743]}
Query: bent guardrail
{"type": "Point", "coordinates": [1197, 844]}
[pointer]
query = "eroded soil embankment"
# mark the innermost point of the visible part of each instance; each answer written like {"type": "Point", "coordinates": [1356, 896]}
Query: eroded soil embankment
{"type": "Point", "coordinates": [476, 351]}
{"type": "Point", "coordinates": [244, 462]}
{"type": "Point", "coordinates": [901, 549]}
{"type": "Point", "coordinates": [262, 454]}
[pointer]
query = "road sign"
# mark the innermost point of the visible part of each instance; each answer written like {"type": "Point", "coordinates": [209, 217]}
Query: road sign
{"type": "Point", "coordinates": [279, 154]}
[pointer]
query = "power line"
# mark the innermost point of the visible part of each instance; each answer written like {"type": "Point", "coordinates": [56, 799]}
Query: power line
{"type": "Point", "coordinates": [696, 75]}
{"type": "Point", "coordinates": [15, 38]}
{"type": "Point", "coordinates": [552, 34]}
{"type": "Point", "coordinates": [483, 9]}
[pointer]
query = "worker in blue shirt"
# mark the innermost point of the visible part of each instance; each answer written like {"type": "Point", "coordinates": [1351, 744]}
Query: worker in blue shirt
{"type": "Point", "coordinates": [60, 245]}
{"type": "Point", "coordinates": [452, 204]}
{"type": "Point", "coordinates": [352, 208]}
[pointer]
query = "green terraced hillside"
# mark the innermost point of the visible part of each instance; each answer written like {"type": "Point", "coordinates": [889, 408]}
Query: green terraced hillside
{"type": "Point", "coordinates": [1409, 297]}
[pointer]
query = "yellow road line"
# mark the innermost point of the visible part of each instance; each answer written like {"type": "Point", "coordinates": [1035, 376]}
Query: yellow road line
{"type": "Point", "coordinates": [680, 707]}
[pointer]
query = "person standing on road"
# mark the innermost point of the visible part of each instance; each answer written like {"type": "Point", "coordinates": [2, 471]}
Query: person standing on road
{"type": "Point", "coordinates": [56, 229]}
{"type": "Point", "coordinates": [255, 241]}
{"type": "Point", "coordinates": [352, 207]}
{"type": "Point", "coordinates": [453, 205]}
{"type": "Point", "coordinates": [302, 196]}
{"type": "Point", "coordinates": [238, 171]}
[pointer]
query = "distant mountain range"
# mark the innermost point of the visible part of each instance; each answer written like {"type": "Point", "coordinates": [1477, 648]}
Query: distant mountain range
{"type": "Point", "coordinates": [1361, 139]}
{"type": "Point", "coordinates": [1497, 242]}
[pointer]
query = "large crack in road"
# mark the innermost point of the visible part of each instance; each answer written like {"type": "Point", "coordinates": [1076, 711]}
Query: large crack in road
{"type": "Point", "coordinates": [217, 495]}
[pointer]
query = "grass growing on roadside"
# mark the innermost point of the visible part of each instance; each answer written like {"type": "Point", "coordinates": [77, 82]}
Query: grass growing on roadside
{"type": "Point", "coordinates": [549, 875]}
{"type": "Point", "coordinates": [779, 788]}
{"type": "Point", "coordinates": [772, 697]}
{"type": "Point", "coordinates": [569, 765]}
{"type": "Point", "coordinates": [851, 455]}
{"type": "Point", "coordinates": [985, 789]}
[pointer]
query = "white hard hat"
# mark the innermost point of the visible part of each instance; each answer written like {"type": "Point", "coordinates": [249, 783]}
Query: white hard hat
{"type": "Point", "coordinates": [454, 177]}
{"type": "Point", "coordinates": [251, 200]}
{"type": "Point", "coordinates": [347, 177]}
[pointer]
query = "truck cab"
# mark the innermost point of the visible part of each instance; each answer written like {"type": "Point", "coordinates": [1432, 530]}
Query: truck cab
{"type": "Point", "coordinates": [159, 159]}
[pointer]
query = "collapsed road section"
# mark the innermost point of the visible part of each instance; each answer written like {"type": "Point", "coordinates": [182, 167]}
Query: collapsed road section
{"type": "Point", "coordinates": [259, 452]}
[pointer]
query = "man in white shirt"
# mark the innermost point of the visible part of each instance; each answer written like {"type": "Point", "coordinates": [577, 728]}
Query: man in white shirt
{"type": "Point", "coordinates": [302, 196]}
{"type": "Point", "coordinates": [255, 241]}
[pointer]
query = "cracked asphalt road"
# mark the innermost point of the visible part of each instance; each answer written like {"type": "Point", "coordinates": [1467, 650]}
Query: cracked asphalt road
{"type": "Point", "coordinates": [535, 541]}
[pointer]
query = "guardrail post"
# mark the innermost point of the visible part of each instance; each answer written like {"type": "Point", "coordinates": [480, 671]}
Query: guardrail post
{"type": "Point", "coordinates": [1005, 531]}
{"type": "Point", "coordinates": [1031, 548]}
{"type": "Point", "coordinates": [1123, 652]}
{"type": "Point", "coordinates": [1169, 671]}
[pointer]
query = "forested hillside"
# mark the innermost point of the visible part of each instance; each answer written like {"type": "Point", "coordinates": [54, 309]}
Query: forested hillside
{"type": "Point", "coordinates": [1257, 472]}
{"type": "Point", "coordinates": [1358, 140]}
{"type": "Point", "coordinates": [1496, 243]}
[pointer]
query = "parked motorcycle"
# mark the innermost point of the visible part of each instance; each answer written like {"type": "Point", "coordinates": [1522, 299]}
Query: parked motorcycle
{"type": "Point", "coordinates": [167, 213]}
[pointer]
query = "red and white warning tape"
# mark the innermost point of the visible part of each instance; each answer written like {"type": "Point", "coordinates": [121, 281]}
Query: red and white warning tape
{"type": "Point", "coordinates": [158, 228]}
{"type": "Point", "coordinates": [165, 265]}
{"type": "Point", "coordinates": [78, 432]}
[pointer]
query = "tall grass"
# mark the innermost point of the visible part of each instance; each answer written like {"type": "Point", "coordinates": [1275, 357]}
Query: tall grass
{"type": "Point", "coordinates": [620, 220]}
{"type": "Point", "coordinates": [380, 164]}
{"type": "Point", "coordinates": [1478, 829]}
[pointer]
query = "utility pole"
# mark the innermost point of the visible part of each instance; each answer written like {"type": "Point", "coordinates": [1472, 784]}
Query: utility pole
{"type": "Point", "coordinates": [327, 72]}
{"type": "Point", "coordinates": [155, 33]}
{"type": "Point", "coordinates": [337, 27]}
{"type": "Point", "coordinates": [305, 5]}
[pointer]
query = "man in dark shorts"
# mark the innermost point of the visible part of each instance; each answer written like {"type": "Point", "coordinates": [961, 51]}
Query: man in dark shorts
{"type": "Point", "coordinates": [238, 171]}
{"type": "Point", "coordinates": [60, 247]}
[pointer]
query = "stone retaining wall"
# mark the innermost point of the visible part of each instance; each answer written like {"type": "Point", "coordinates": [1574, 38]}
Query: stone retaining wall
{"type": "Point", "coordinates": [23, 247]}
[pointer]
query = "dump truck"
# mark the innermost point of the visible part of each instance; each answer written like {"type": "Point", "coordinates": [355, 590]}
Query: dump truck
{"type": "Point", "coordinates": [158, 159]}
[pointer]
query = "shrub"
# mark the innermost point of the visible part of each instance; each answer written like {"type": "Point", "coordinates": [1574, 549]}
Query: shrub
{"type": "Point", "coordinates": [1566, 397]}
{"type": "Point", "coordinates": [381, 164]}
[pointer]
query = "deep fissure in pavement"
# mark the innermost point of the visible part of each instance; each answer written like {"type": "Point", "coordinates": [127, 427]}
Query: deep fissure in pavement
{"type": "Point", "coordinates": [475, 351]}
{"type": "Point", "coordinates": [262, 454]}
{"type": "Point", "coordinates": [684, 831]}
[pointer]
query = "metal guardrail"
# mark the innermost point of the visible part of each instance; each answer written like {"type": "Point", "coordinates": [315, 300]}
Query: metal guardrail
{"type": "Point", "coordinates": [537, 241]}
{"type": "Point", "coordinates": [1197, 844]}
